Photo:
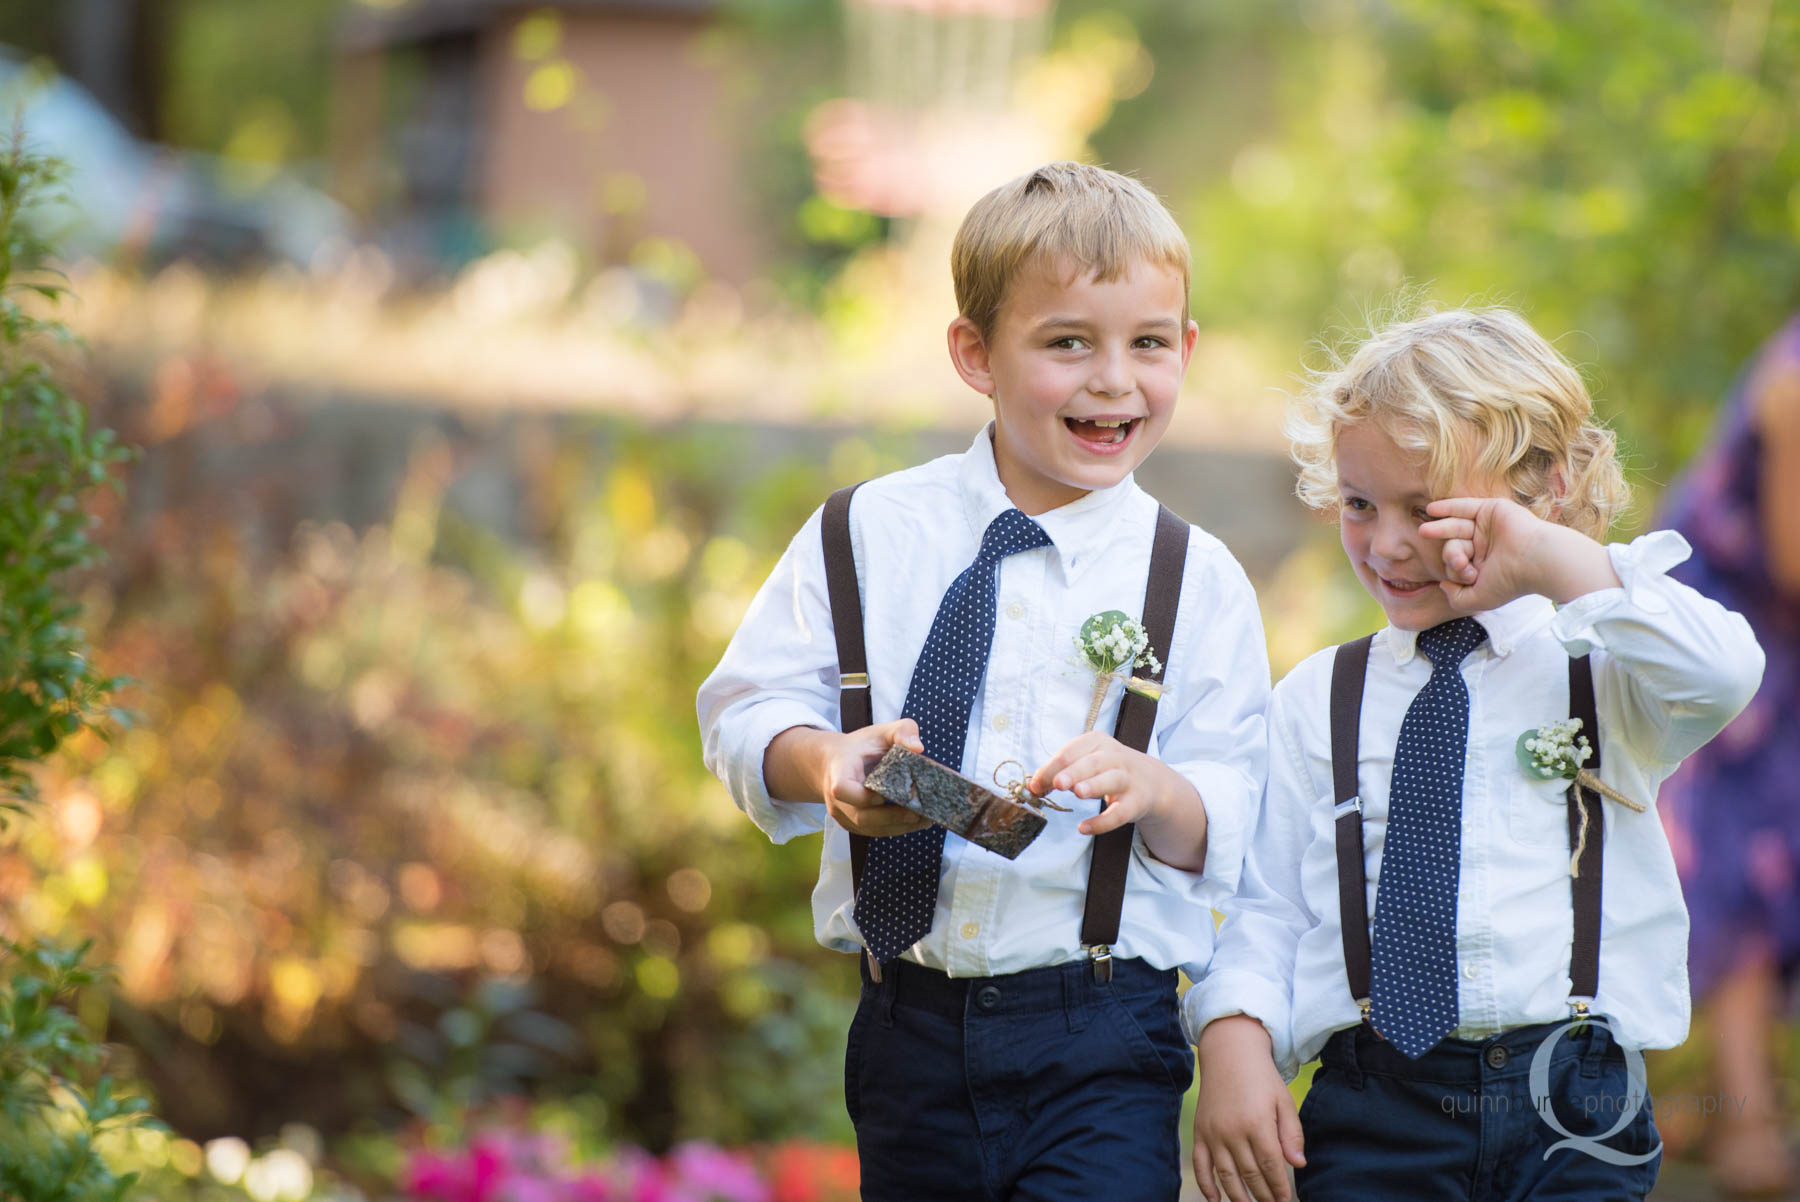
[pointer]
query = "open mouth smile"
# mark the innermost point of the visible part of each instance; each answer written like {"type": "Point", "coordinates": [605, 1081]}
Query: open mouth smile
{"type": "Point", "coordinates": [1103, 435]}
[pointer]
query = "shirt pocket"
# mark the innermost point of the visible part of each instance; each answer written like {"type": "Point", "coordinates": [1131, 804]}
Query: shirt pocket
{"type": "Point", "coordinates": [1538, 813]}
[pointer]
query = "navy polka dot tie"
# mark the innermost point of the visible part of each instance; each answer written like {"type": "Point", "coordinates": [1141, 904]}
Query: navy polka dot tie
{"type": "Point", "coordinates": [899, 888]}
{"type": "Point", "coordinates": [1413, 984]}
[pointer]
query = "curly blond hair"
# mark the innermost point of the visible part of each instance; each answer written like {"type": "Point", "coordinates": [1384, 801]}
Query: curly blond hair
{"type": "Point", "coordinates": [1484, 396]}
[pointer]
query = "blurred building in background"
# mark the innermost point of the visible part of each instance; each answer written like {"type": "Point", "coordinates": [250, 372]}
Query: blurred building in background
{"type": "Point", "coordinates": [603, 121]}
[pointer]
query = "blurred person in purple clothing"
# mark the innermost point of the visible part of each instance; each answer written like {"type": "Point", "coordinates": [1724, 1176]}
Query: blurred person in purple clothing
{"type": "Point", "coordinates": [1733, 810]}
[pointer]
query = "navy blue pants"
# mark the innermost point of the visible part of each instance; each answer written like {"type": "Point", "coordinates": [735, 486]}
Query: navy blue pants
{"type": "Point", "coordinates": [1036, 1085]}
{"type": "Point", "coordinates": [1464, 1122]}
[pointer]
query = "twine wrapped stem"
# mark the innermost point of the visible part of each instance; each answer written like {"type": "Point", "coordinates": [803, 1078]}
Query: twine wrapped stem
{"type": "Point", "coordinates": [1102, 686]}
{"type": "Point", "coordinates": [1587, 780]}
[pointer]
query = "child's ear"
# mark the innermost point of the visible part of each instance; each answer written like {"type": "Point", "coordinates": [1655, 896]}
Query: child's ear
{"type": "Point", "coordinates": [1559, 491]}
{"type": "Point", "coordinates": [1189, 337]}
{"type": "Point", "coordinates": [969, 355]}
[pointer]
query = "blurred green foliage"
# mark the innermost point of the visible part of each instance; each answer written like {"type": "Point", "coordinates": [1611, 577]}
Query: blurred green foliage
{"type": "Point", "coordinates": [55, 1100]}
{"type": "Point", "coordinates": [52, 460]}
{"type": "Point", "coordinates": [1625, 173]}
{"type": "Point", "coordinates": [250, 81]}
{"type": "Point", "coordinates": [55, 1104]}
{"type": "Point", "coordinates": [416, 818]}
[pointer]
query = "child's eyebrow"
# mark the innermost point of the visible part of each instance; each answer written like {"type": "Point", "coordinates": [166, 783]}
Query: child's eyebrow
{"type": "Point", "coordinates": [1345, 486]}
{"type": "Point", "coordinates": [1070, 322]}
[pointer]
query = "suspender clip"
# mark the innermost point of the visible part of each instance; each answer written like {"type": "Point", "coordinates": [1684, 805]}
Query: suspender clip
{"type": "Point", "coordinates": [874, 966]}
{"type": "Point", "coordinates": [1366, 1009]}
{"type": "Point", "coordinates": [853, 680]}
{"type": "Point", "coordinates": [1578, 1012]}
{"type": "Point", "coordinates": [1351, 805]}
{"type": "Point", "coordinates": [1100, 956]}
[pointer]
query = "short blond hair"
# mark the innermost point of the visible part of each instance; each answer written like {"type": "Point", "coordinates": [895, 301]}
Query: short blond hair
{"type": "Point", "coordinates": [1098, 220]}
{"type": "Point", "coordinates": [1482, 394]}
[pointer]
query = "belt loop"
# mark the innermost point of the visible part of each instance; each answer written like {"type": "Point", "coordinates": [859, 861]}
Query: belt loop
{"type": "Point", "coordinates": [887, 987]}
{"type": "Point", "coordinates": [1599, 1039]}
{"type": "Point", "coordinates": [1075, 1000]}
{"type": "Point", "coordinates": [1353, 1074]}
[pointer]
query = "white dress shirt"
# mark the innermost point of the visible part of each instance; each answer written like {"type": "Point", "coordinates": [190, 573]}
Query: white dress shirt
{"type": "Point", "coordinates": [914, 532]}
{"type": "Point", "coordinates": [1670, 667]}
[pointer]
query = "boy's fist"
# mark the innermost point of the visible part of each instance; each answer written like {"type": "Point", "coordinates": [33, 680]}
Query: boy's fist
{"type": "Point", "coordinates": [1496, 549]}
{"type": "Point", "coordinates": [846, 759]}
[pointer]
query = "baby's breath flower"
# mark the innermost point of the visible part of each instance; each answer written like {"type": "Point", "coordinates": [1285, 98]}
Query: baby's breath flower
{"type": "Point", "coordinates": [1113, 644]}
{"type": "Point", "coordinates": [1555, 749]}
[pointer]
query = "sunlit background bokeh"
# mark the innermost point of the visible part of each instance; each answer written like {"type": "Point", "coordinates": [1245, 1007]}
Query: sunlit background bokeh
{"type": "Point", "coordinates": [482, 356]}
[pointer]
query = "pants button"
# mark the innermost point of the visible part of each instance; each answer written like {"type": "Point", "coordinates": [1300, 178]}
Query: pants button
{"type": "Point", "coordinates": [988, 997]}
{"type": "Point", "coordinates": [1497, 1056]}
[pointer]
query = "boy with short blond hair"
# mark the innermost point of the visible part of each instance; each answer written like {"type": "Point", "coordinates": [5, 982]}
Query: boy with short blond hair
{"type": "Point", "coordinates": [1017, 1033]}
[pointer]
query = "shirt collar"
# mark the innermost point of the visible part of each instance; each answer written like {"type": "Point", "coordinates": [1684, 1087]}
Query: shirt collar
{"type": "Point", "coordinates": [1507, 627]}
{"type": "Point", "coordinates": [1073, 528]}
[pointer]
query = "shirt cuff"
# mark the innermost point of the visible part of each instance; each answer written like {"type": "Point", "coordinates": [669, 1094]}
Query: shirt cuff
{"type": "Point", "coordinates": [1224, 795]}
{"type": "Point", "coordinates": [1224, 992]}
{"type": "Point", "coordinates": [1642, 566]}
{"type": "Point", "coordinates": [1229, 803]}
{"type": "Point", "coordinates": [780, 820]}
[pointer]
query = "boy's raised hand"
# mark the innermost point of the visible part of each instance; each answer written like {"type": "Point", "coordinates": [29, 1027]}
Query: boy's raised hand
{"type": "Point", "coordinates": [1138, 788]}
{"type": "Point", "coordinates": [1495, 549]}
{"type": "Point", "coordinates": [1246, 1131]}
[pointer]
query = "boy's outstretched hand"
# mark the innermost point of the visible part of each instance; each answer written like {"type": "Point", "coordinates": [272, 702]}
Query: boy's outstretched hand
{"type": "Point", "coordinates": [1495, 549]}
{"type": "Point", "coordinates": [1246, 1131]}
{"type": "Point", "coordinates": [806, 763]}
{"type": "Point", "coordinates": [1138, 788]}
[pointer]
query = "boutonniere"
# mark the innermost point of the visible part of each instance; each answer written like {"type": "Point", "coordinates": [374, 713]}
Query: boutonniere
{"type": "Point", "coordinates": [1113, 645]}
{"type": "Point", "coordinates": [1559, 749]}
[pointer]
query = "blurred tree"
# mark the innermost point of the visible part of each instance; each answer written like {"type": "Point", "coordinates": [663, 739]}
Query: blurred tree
{"type": "Point", "coordinates": [53, 1099]}
{"type": "Point", "coordinates": [250, 80]}
{"type": "Point", "coordinates": [416, 817]}
{"type": "Point", "coordinates": [1626, 173]}
{"type": "Point", "coordinates": [116, 49]}
{"type": "Point", "coordinates": [28, 25]}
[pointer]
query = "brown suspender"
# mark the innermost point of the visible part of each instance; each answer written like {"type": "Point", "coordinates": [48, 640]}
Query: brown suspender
{"type": "Point", "coordinates": [1347, 673]}
{"type": "Point", "coordinates": [1137, 713]}
{"type": "Point", "coordinates": [847, 622]}
{"type": "Point", "coordinates": [1584, 956]}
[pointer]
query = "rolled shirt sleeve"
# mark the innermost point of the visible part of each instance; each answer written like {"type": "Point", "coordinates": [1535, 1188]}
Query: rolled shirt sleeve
{"type": "Point", "coordinates": [779, 671]}
{"type": "Point", "coordinates": [1683, 664]}
{"type": "Point", "coordinates": [1217, 740]}
{"type": "Point", "coordinates": [1252, 970]}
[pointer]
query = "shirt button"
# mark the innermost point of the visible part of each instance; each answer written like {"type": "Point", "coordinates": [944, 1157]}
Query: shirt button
{"type": "Point", "coordinates": [1001, 722]}
{"type": "Point", "coordinates": [988, 998]}
{"type": "Point", "coordinates": [1470, 971]}
{"type": "Point", "coordinates": [1015, 610]}
{"type": "Point", "coordinates": [970, 930]}
{"type": "Point", "coordinates": [1497, 1056]}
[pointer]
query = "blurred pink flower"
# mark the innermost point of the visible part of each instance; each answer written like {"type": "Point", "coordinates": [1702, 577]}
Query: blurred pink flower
{"type": "Point", "coordinates": [592, 1187]}
{"type": "Point", "coordinates": [708, 1173]}
{"type": "Point", "coordinates": [473, 1175]}
{"type": "Point", "coordinates": [501, 1165]}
